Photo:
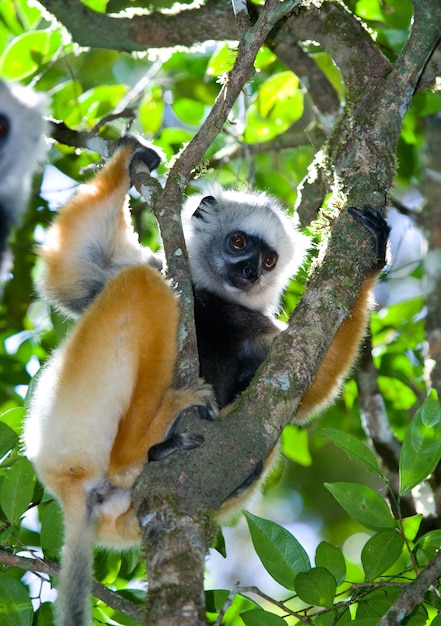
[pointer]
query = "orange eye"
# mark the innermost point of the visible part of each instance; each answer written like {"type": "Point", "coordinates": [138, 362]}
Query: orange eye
{"type": "Point", "coordinates": [238, 241]}
{"type": "Point", "coordinates": [270, 261]}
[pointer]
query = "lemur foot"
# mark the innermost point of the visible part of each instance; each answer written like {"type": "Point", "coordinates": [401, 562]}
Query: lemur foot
{"type": "Point", "coordinates": [142, 151]}
{"type": "Point", "coordinates": [177, 442]}
{"type": "Point", "coordinates": [375, 223]}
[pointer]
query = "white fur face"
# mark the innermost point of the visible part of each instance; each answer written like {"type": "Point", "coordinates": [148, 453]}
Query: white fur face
{"type": "Point", "coordinates": [21, 144]}
{"type": "Point", "coordinates": [257, 215]}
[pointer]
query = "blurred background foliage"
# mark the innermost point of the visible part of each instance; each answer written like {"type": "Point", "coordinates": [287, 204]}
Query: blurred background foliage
{"type": "Point", "coordinates": [165, 94]}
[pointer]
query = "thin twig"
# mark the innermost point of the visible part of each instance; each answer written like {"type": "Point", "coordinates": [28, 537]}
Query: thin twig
{"type": "Point", "coordinates": [38, 565]}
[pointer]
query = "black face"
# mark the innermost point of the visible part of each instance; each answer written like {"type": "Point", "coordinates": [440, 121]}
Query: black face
{"type": "Point", "coordinates": [247, 258]}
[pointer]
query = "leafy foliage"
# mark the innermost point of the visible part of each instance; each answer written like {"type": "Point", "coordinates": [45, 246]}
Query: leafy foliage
{"type": "Point", "coordinates": [178, 88]}
{"type": "Point", "coordinates": [388, 558]}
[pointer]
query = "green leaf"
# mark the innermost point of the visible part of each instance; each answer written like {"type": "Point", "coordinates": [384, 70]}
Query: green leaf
{"type": "Point", "coordinates": [45, 614]}
{"type": "Point", "coordinates": [370, 10]}
{"type": "Point", "coordinates": [17, 489]}
{"type": "Point", "coordinates": [363, 504]}
{"type": "Point", "coordinates": [281, 554]}
{"type": "Point", "coordinates": [8, 439]}
{"type": "Point", "coordinates": [380, 552]}
{"type": "Point", "coordinates": [259, 617]}
{"type": "Point", "coordinates": [295, 445]}
{"type": "Point", "coordinates": [51, 519]}
{"type": "Point", "coordinates": [28, 52]}
{"type": "Point", "coordinates": [95, 103]}
{"type": "Point", "coordinates": [277, 105]}
{"type": "Point", "coordinates": [222, 60]}
{"type": "Point", "coordinates": [331, 558]}
{"type": "Point", "coordinates": [276, 89]}
{"type": "Point", "coordinates": [189, 111]}
{"type": "Point", "coordinates": [151, 111]}
{"type": "Point", "coordinates": [354, 448]}
{"type": "Point", "coordinates": [65, 98]}
{"type": "Point", "coordinates": [373, 605]}
{"type": "Point", "coordinates": [215, 601]}
{"type": "Point", "coordinates": [316, 587]}
{"type": "Point", "coordinates": [421, 450]}
{"type": "Point", "coordinates": [429, 544]}
{"type": "Point", "coordinates": [15, 604]}
{"type": "Point", "coordinates": [411, 526]}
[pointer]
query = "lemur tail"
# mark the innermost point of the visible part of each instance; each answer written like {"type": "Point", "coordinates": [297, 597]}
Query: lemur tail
{"type": "Point", "coordinates": [75, 581]}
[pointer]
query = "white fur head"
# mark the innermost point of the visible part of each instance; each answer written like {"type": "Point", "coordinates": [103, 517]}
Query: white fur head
{"type": "Point", "coordinates": [208, 221]}
{"type": "Point", "coordinates": [22, 145]}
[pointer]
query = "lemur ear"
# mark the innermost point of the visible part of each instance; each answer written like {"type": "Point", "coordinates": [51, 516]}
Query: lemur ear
{"type": "Point", "coordinates": [205, 203]}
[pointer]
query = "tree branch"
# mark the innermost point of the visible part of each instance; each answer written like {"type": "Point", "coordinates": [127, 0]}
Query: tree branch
{"type": "Point", "coordinates": [175, 539]}
{"type": "Point", "coordinates": [213, 20]}
{"type": "Point", "coordinates": [363, 156]}
{"type": "Point", "coordinates": [344, 38]}
{"type": "Point", "coordinates": [413, 594]}
{"type": "Point", "coordinates": [430, 221]}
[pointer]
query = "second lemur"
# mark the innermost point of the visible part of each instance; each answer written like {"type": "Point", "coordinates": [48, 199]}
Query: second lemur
{"type": "Point", "coordinates": [22, 148]}
{"type": "Point", "coordinates": [243, 250]}
{"type": "Point", "coordinates": [106, 395]}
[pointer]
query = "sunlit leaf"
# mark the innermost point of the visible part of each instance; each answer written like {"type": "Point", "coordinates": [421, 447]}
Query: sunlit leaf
{"type": "Point", "coordinates": [28, 52]}
{"type": "Point", "coordinates": [363, 504]}
{"type": "Point", "coordinates": [295, 445]}
{"type": "Point", "coordinates": [411, 526]}
{"type": "Point", "coordinates": [279, 103]}
{"type": "Point", "coordinates": [281, 554]}
{"type": "Point", "coordinates": [222, 60]}
{"type": "Point", "coordinates": [397, 392]}
{"type": "Point", "coordinates": [369, 10]}
{"type": "Point", "coordinates": [421, 450]}
{"type": "Point", "coordinates": [96, 5]}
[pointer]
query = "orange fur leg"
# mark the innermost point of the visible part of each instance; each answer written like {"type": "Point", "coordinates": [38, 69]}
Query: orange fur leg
{"type": "Point", "coordinates": [339, 357]}
{"type": "Point", "coordinates": [149, 333]}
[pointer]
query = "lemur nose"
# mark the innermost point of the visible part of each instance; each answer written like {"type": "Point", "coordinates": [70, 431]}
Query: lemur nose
{"type": "Point", "coordinates": [250, 273]}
